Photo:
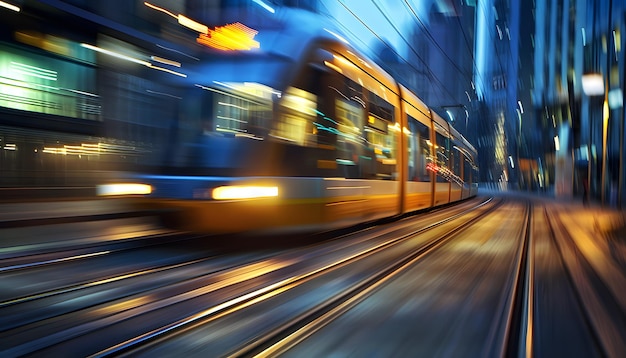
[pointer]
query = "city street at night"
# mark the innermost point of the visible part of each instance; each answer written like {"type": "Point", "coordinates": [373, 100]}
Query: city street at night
{"type": "Point", "coordinates": [304, 178]}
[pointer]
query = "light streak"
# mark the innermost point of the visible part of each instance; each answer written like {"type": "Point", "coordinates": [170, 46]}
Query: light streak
{"type": "Point", "coordinates": [264, 5]}
{"type": "Point", "coordinates": [9, 6]}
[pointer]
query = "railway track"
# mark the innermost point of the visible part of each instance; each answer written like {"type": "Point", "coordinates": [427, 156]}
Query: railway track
{"type": "Point", "coordinates": [186, 290]}
{"type": "Point", "coordinates": [471, 279]}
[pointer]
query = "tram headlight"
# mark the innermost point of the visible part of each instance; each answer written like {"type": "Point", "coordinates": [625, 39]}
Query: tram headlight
{"type": "Point", "coordinates": [243, 192]}
{"type": "Point", "coordinates": [123, 189]}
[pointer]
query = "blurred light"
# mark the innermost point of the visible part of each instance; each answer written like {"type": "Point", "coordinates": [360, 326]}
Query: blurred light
{"type": "Point", "coordinates": [521, 108]}
{"type": "Point", "coordinates": [194, 25]}
{"type": "Point", "coordinates": [165, 61]}
{"type": "Point", "coordinates": [617, 43]}
{"type": "Point", "coordinates": [333, 66]}
{"type": "Point", "coordinates": [167, 70]}
{"type": "Point", "coordinates": [123, 189]}
{"type": "Point", "coordinates": [160, 9]}
{"type": "Point", "coordinates": [235, 36]}
{"type": "Point", "coordinates": [593, 84]}
{"type": "Point", "coordinates": [182, 19]}
{"type": "Point", "coordinates": [341, 38]}
{"type": "Point", "coordinates": [264, 5]}
{"type": "Point", "coordinates": [250, 88]}
{"type": "Point", "coordinates": [91, 149]}
{"type": "Point", "coordinates": [247, 135]}
{"type": "Point", "coordinates": [344, 60]}
{"type": "Point", "coordinates": [299, 100]}
{"type": "Point", "coordinates": [34, 71]}
{"type": "Point", "coordinates": [362, 61]}
{"type": "Point", "coordinates": [82, 92]}
{"type": "Point", "coordinates": [557, 145]}
{"type": "Point", "coordinates": [10, 147]}
{"type": "Point", "coordinates": [43, 41]}
{"type": "Point", "coordinates": [616, 98]}
{"type": "Point", "coordinates": [115, 54]}
{"type": "Point", "coordinates": [511, 162]}
{"type": "Point", "coordinates": [243, 192]}
{"type": "Point", "coordinates": [131, 59]}
{"type": "Point", "coordinates": [450, 115]}
{"type": "Point", "coordinates": [9, 6]}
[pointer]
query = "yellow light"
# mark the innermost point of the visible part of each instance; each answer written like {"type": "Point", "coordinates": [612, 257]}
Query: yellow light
{"type": "Point", "coordinates": [194, 25]}
{"type": "Point", "coordinates": [123, 189]}
{"type": "Point", "coordinates": [244, 192]}
{"type": "Point", "coordinates": [165, 61]}
{"type": "Point", "coordinates": [182, 19]}
{"type": "Point", "coordinates": [344, 60]}
{"type": "Point", "coordinates": [333, 66]}
{"type": "Point", "coordinates": [159, 9]}
{"type": "Point", "coordinates": [235, 36]}
{"type": "Point", "coordinates": [9, 6]}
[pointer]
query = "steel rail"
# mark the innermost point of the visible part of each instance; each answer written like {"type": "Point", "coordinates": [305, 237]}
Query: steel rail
{"type": "Point", "coordinates": [282, 338]}
{"type": "Point", "coordinates": [211, 313]}
{"type": "Point", "coordinates": [182, 326]}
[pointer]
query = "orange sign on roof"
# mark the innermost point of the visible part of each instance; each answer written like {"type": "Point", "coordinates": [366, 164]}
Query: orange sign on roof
{"type": "Point", "coordinates": [231, 37]}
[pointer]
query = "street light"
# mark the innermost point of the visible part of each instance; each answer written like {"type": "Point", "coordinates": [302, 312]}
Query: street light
{"type": "Point", "coordinates": [456, 106]}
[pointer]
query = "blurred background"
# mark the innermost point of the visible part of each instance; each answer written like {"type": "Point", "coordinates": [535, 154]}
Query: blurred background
{"type": "Point", "coordinates": [88, 88]}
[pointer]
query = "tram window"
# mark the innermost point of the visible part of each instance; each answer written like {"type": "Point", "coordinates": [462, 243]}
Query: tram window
{"type": "Point", "coordinates": [238, 114]}
{"type": "Point", "coordinates": [298, 111]}
{"type": "Point", "coordinates": [419, 151]}
{"type": "Point", "coordinates": [457, 161]}
{"type": "Point", "coordinates": [381, 135]}
{"type": "Point", "coordinates": [380, 108]}
{"type": "Point", "coordinates": [442, 167]}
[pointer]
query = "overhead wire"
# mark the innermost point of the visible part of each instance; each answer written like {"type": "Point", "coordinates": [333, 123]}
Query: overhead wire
{"type": "Point", "coordinates": [431, 75]}
{"type": "Point", "coordinates": [432, 39]}
{"type": "Point", "coordinates": [441, 85]}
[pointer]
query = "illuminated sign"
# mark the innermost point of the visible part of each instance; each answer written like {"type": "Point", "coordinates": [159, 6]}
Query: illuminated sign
{"type": "Point", "coordinates": [230, 37]}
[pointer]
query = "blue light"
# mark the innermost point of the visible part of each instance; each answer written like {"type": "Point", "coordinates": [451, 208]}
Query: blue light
{"type": "Point", "coordinates": [264, 5]}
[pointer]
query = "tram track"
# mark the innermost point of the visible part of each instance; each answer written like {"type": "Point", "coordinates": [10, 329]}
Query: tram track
{"type": "Point", "coordinates": [283, 338]}
{"type": "Point", "coordinates": [274, 340]}
{"type": "Point", "coordinates": [517, 338]}
{"type": "Point", "coordinates": [80, 329]}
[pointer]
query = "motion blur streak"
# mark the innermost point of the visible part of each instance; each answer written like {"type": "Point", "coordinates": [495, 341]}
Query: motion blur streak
{"type": "Point", "coordinates": [244, 192]}
{"type": "Point", "coordinates": [41, 263]}
{"type": "Point", "coordinates": [9, 6]}
{"type": "Point", "coordinates": [123, 189]}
